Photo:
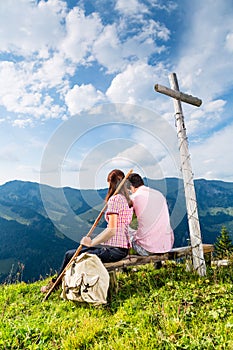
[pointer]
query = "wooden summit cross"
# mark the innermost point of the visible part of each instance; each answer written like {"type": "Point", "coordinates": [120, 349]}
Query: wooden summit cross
{"type": "Point", "coordinates": [190, 195]}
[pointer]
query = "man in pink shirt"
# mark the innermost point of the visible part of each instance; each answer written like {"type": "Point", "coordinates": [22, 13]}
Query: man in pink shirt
{"type": "Point", "coordinates": [154, 233]}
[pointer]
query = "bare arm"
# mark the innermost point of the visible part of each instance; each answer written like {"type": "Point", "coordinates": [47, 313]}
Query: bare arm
{"type": "Point", "coordinates": [104, 236]}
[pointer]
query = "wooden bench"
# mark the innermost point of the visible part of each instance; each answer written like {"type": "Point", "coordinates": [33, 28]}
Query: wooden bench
{"type": "Point", "coordinates": [137, 260]}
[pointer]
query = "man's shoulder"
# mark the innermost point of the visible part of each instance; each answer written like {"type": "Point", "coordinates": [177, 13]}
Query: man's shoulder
{"type": "Point", "coordinates": [144, 188]}
{"type": "Point", "coordinates": [146, 191]}
{"type": "Point", "coordinates": [142, 191]}
{"type": "Point", "coordinates": [149, 191]}
{"type": "Point", "coordinates": [156, 192]}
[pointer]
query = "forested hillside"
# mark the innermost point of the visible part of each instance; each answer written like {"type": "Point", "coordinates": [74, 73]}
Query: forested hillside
{"type": "Point", "coordinates": [31, 241]}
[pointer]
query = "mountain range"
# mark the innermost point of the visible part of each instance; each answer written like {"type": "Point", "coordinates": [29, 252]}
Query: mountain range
{"type": "Point", "coordinates": [38, 223]}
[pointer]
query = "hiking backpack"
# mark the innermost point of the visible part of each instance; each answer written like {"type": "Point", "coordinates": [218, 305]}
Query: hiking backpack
{"type": "Point", "coordinates": [86, 280]}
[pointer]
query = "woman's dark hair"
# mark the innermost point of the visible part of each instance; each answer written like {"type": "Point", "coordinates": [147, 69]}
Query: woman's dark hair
{"type": "Point", "coordinates": [135, 180]}
{"type": "Point", "coordinates": [114, 178]}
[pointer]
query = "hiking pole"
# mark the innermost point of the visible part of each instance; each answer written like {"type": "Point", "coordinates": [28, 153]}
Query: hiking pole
{"type": "Point", "coordinates": [59, 278]}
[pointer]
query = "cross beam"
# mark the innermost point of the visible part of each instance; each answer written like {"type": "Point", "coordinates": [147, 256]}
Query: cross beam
{"type": "Point", "coordinates": [178, 95]}
{"type": "Point", "coordinates": [190, 195]}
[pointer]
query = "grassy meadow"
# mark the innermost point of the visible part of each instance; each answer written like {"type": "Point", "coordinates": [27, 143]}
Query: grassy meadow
{"type": "Point", "coordinates": [167, 308]}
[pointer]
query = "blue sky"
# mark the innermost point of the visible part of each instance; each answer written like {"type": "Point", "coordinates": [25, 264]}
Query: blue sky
{"type": "Point", "coordinates": [77, 88]}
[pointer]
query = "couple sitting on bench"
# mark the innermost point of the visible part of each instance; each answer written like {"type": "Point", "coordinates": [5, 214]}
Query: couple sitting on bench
{"type": "Point", "coordinates": [153, 235]}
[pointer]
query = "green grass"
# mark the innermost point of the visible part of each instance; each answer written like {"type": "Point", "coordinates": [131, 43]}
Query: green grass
{"type": "Point", "coordinates": [153, 309]}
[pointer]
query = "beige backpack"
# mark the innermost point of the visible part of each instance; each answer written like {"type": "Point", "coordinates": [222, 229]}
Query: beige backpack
{"type": "Point", "coordinates": [86, 280]}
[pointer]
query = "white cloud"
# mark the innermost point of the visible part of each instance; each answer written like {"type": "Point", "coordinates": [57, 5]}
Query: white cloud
{"type": "Point", "coordinates": [27, 27]}
{"type": "Point", "coordinates": [51, 72]}
{"type": "Point", "coordinates": [135, 8]}
{"type": "Point", "coordinates": [108, 51]}
{"type": "Point", "coordinates": [33, 31]}
{"type": "Point", "coordinates": [213, 158]}
{"type": "Point", "coordinates": [22, 123]}
{"type": "Point", "coordinates": [97, 138]}
{"type": "Point", "coordinates": [135, 85]}
{"type": "Point", "coordinates": [81, 32]}
{"type": "Point", "coordinates": [131, 7]}
{"type": "Point", "coordinates": [138, 154]}
{"type": "Point", "coordinates": [229, 42]}
{"type": "Point", "coordinates": [206, 118]}
{"type": "Point", "coordinates": [11, 84]}
{"type": "Point", "coordinates": [46, 47]}
{"type": "Point", "coordinates": [115, 52]}
{"type": "Point", "coordinates": [144, 159]}
{"type": "Point", "coordinates": [146, 42]}
{"type": "Point", "coordinates": [21, 91]}
{"type": "Point", "coordinates": [205, 62]}
{"type": "Point", "coordinates": [215, 105]}
{"type": "Point", "coordinates": [54, 42]}
{"type": "Point", "coordinates": [82, 97]}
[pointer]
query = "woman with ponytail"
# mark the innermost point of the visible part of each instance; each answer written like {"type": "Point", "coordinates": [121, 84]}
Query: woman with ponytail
{"type": "Point", "coordinates": [114, 239]}
{"type": "Point", "coordinates": [112, 244]}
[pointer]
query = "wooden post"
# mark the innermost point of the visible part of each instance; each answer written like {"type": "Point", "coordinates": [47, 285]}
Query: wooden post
{"type": "Point", "coordinates": [190, 195]}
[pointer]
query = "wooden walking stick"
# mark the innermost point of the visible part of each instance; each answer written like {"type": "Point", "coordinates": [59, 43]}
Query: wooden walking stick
{"type": "Point", "coordinates": [59, 278]}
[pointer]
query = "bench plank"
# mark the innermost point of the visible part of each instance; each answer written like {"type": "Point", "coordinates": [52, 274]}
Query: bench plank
{"type": "Point", "coordinates": [175, 253]}
{"type": "Point", "coordinates": [134, 260]}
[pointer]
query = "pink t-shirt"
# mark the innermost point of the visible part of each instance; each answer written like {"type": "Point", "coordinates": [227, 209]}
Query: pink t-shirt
{"type": "Point", "coordinates": [118, 205]}
{"type": "Point", "coordinates": [154, 232]}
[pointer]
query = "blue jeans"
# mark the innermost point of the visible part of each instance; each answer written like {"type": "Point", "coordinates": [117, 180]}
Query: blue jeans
{"type": "Point", "coordinates": [106, 254]}
{"type": "Point", "coordinates": [138, 249]}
